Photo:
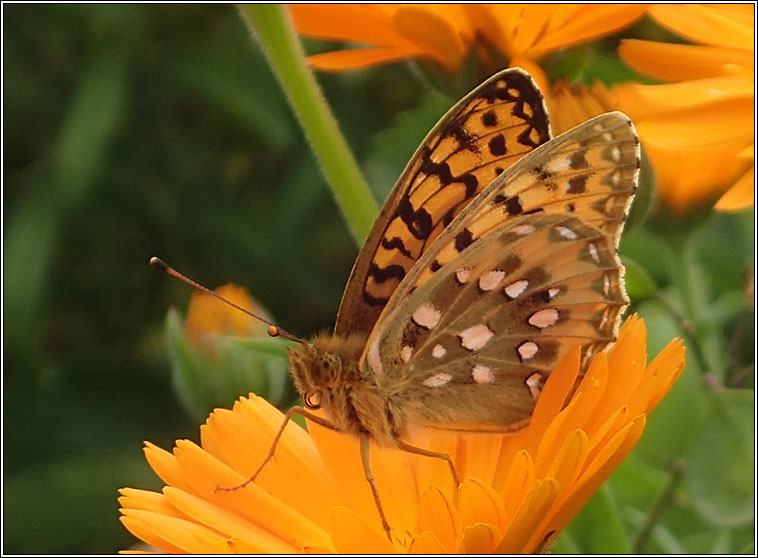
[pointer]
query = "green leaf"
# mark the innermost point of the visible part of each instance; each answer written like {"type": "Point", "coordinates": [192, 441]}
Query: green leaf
{"type": "Point", "coordinates": [639, 283]}
{"type": "Point", "coordinates": [597, 528]}
{"type": "Point", "coordinates": [721, 466]}
{"type": "Point", "coordinates": [89, 126]}
{"type": "Point", "coordinates": [229, 367]}
{"type": "Point", "coordinates": [671, 427]}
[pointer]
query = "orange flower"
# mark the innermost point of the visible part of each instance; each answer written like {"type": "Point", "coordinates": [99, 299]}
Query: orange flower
{"type": "Point", "coordinates": [208, 317]}
{"type": "Point", "coordinates": [698, 130]}
{"type": "Point", "coordinates": [520, 490]}
{"type": "Point", "coordinates": [500, 35]}
{"type": "Point", "coordinates": [571, 105]}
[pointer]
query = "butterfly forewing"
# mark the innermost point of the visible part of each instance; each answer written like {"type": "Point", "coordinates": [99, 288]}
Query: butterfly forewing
{"type": "Point", "coordinates": [477, 140]}
{"type": "Point", "coordinates": [500, 296]}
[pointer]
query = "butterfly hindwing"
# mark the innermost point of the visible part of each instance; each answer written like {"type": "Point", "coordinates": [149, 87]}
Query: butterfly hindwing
{"type": "Point", "coordinates": [479, 138]}
{"type": "Point", "coordinates": [500, 297]}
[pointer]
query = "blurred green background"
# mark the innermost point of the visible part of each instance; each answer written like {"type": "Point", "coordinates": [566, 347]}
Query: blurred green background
{"type": "Point", "coordinates": [136, 130]}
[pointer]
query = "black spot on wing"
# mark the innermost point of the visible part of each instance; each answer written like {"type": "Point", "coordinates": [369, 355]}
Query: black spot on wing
{"type": "Point", "coordinates": [396, 243]}
{"type": "Point", "coordinates": [463, 240]}
{"type": "Point", "coordinates": [497, 145]}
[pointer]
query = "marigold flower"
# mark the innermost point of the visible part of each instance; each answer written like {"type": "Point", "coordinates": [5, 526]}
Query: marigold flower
{"type": "Point", "coordinates": [570, 105]}
{"type": "Point", "coordinates": [501, 35]}
{"type": "Point", "coordinates": [208, 317]}
{"type": "Point", "coordinates": [520, 490]}
{"type": "Point", "coordinates": [218, 352]}
{"type": "Point", "coordinates": [698, 130]}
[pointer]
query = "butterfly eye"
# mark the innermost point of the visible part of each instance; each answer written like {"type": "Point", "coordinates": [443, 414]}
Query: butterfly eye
{"type": "Point", "coordinates": [312, 400]}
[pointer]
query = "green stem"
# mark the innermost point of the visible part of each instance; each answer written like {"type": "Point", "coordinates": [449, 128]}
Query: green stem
{"type": "Point", "coordinates": [272, 27]}
{"type": "Point", "coordinates": [664, 501]}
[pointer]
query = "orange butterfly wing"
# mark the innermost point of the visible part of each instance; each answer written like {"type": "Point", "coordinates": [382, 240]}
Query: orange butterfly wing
{"type": "Point", "coordinates": [479, 138]}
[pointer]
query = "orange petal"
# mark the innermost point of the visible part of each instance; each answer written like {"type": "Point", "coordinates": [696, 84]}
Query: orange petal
{"type": "Point", "coordinates": [667, 366]}
{"type": "Point", "coordinates": [144, 531]}
{"type": "Point", "coordinates": [552, 398]}
{"type": "Point", "coordinates": [357, 58]}
{"type": "Point", "coordinates": [431, 33]}
{"type": "Point", "coordinates": [479, 503]}
{"type": "Point", "coordinates": [588, 22]}
{"type": "Point", "coordinates": [341, 454]}
{"type": "Point", "coordinates": [480, 538]}
{"type": "Point", "coordinates": [352, 536]}
{"type": "Point", "coordinates": [673, 62]}
{"type": "Point", "coordinates": [569, 460]}
{"type": "Point", "coordinates": [426, 543]}
{"type": "Point", "coordinates": [741, 195]}
{"type": "Point", "coordinates": [170, 533]}
{"type": "Point", "coordinates": [534, 508]}
{"type": "Point", "coordinates": [164, 464]}
{"type": "Point", "coordinates": [437, 516]}
{"type": "Point", "coordinates": [338, 22]}
{"type": "Point", "coordinates": [148, 501]}
{"type": "Point", "coordinates": [227, 522]}
{"type": "Point", "coordinates": [518, 483]}
{"type": "Point", "coordinates": [597, 472]}
{"type": "Point", "coordinates": [478, 455]}
{"type": "Point", "coordinates": [730, 26]}
{"type": "Point", "coordinates": [688, 178]}
{"type": "Point", "coordinates": [579, 411]}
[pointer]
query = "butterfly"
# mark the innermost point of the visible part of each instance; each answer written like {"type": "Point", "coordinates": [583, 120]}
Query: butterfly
{"type": "Point", "coordinates": [494, 254]}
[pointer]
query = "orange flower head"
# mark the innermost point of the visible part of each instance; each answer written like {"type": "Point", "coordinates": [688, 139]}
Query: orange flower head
{"type": "Point", "coordinates": [499, 35]}
{"type": "Point", "coordinates": [208, 317]}
{"type": "Point", "coordinates": [520, 489]}
{"type": "Point", "coordinates": [698, 130]}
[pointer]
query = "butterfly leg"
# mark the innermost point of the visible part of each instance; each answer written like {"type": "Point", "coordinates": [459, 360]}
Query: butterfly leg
{"type": "Point", "coordinates": [366, 460]}
{"type": "Point", "coordinates": [292, 412]}
{"type": "Point", "coordinates": [429, 453]}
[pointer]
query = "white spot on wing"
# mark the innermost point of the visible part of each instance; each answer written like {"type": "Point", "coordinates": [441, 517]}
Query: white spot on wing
{"type": "Point", "coordinates": [482, 374]}
{"type": "Point", "coordinates": [607, 136]}
{"type": "Point", "coordinates": [616, 178]}
{"type": "Point", "coordinates": [517, 288]}
{"type": "Point", "coordinates": [427, 316]}
{"type": "Point", "coordinates": [553, 292]}
{"type": "Point", "coordinates": [406, 352]}
{"type": "Point", "coordinates": [544, 318]}
{"type": "Point", "coordinates": [566, 232]}
{"type": "Point", "coordinates": [476, 337]}
{"type": "Point", "coordinates": [535, 384]}
{"type": "Point", "coordinates": [438, 380]}
{"type": "Point", "coordinates": [606, 285]}
{"type": "Point", "coordinates": [527, 350]}
{"type": "Point", "coordinates": [616, 153]}
{"type": "Point", "coordinates": [594, 253]}
{"type": "Point", "coordinates": [462, 275]}
{"type": "Point", "coordinates": [523, 230]}
{"type": "Point", "coordinates": [560, 165]}
{"type": "Point", "coordinates": [439, 351]}
{"type": "Point", "coordinates": [491, 279]}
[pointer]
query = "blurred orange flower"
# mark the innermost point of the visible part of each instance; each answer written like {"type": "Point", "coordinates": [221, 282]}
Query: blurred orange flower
{"type": "Point", "coordinates": [500, 35]}
{"type": "Point", "coordinates": [520, 490]}
{"type": "Point", "coordinates": [570, 105]}
{"type": "Point", "coordinates": [698, 130]}
{"type": "Point", "coordinates": [208, 317]}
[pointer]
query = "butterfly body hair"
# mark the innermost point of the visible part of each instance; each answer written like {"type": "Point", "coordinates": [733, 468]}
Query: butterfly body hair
{"type": "Point", "coordinates": [326, 373]}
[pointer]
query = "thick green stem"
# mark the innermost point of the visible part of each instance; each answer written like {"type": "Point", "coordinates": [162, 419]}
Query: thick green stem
{"type": "Point", "coordinates": [272, 26]}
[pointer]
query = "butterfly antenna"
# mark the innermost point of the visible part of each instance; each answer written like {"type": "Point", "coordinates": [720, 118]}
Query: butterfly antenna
{"type": "Point", "coordinates": [273, 329]}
